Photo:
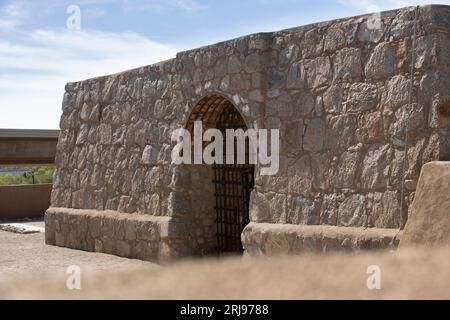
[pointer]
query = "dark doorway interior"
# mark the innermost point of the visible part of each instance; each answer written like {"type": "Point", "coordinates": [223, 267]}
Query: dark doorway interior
{"type": "Point", "coordinates": [233, 183]}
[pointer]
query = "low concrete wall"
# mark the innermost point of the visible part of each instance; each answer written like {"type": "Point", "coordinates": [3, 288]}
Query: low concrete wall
{"type": "Point", "coordinates": [24, 201]}
{"type": "Point", "coordinates": [281, 239]}
{"type": "Point", "coordinates": [429, 221]}
{"type": "Point", "coordinates": [141, 236]}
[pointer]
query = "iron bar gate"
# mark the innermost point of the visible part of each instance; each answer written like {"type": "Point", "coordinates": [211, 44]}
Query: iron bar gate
{"type": "Point", "coordinates": [233, 183]}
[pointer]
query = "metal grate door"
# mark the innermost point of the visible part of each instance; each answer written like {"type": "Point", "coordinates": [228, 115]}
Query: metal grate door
{"type": "Point", "coordinates": [233, 183]}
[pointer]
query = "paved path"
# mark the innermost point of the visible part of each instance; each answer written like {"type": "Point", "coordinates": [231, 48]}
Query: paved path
{"type": "Point", "coordinates": [23, 225]}
{"type": "Point", "coordinates": [27, 255]}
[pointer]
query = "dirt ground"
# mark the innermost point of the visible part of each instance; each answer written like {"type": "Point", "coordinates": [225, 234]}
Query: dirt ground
{"type": "Point", "coordinates": [31, 270]}
{"type": "Point", "coordinates": [27, 254]}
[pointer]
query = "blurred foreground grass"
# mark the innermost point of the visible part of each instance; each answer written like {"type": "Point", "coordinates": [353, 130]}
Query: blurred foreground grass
{"type": "Point", "coordinates": [410, 274]}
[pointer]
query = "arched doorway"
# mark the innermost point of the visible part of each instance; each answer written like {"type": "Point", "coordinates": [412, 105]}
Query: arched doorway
{"type": "Point", "coordinates": [232, 182]}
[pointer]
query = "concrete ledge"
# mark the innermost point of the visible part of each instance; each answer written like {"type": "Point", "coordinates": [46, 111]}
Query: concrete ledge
{"type": "Point", "coordinates": [429, 220]}
{"type": "Point", "coordinates": [138, 236]}
{"type": "Point", "coordinates": [21, 228]}
{"type": "Point", "coordinates": [273, 239]}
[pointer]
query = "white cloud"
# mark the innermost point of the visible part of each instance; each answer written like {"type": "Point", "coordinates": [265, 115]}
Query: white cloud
{"type": "Point", "coordinates": [368, 5]}
{"type": "Point", "coordinates": [14, 9]}
{"type": "Point", "coordinates": [8, 24]}
{"type": "Point", "coordinates": [35, 67]}
{"type": "Point", "coordinates": [17, 13]}
{"type": "Point", "coordinates": [95, 12]}
{"type": "Point", "coordinates": [11, 15]}
{"type": "Point", "coordinates": [189, 6]}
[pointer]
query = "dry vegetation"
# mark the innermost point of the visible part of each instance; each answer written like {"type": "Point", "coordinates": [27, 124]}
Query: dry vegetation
{"type": "Point", "coordinates": [419, 274]}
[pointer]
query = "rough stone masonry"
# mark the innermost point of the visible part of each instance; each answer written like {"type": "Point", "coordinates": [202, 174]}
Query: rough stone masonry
{"type": "Point", "coordinates": [340, 93]}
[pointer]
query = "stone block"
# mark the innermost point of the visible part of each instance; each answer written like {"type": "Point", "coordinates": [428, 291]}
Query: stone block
{"type": "Point", "coordinates": [347, 169]}
{"type": "Point", "coordinates": [318, 72]}
{"type": "Point", "coordinates": [352, 211]}
{"type": "Point", "coordinates": [296, 76]}
{"type": "Point", "coordinates": [361, 97]}
{"type": "Point", "coordinates": [347, 64]}
{"type": "Point", "coordinates": [428, 224]}
{"type": "Point", "coordinates": [334, 39]}
{"type": "Point", "coordinates": [370, 128]}
{"type": "Point", "coordinates": [375, 169]}
{"type": "Point", "coordinates": [313, 139]}
{"type": "Point", "coordinates": [302, 211]}
{"type": "Point", "coordinates": [381, 63]}
{"type": "Point", "coordinates": [333, 99]}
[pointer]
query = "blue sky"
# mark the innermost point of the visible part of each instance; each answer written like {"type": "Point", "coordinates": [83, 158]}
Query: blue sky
{"type": "Point", "coordinates": [39, 54]}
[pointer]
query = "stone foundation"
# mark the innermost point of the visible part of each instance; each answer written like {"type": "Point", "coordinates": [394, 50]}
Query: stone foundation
{"type": "Point", "coordinates": [277, 239]}
{"type": "Point", "coordinates": [162, 239]}
{"type": "Point", "coordinates": [127, 235]}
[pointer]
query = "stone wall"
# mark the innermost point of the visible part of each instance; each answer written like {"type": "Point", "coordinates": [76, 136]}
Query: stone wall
{"type": "Point", "coordinates": [338, 91]}
{"type": "Point", "coordinates": [343, 109]}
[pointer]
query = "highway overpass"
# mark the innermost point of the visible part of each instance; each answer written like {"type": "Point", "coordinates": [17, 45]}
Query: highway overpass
{"type": "Point", "coordinates": [25, 146]}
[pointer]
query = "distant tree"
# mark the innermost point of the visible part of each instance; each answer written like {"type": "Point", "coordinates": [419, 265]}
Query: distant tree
{"type": "Point", "coordinates": [6, 179]}
{"type": "Point", "coordinates": [35, 175]}
{"type": "Point", "coordinates": [44, 174]}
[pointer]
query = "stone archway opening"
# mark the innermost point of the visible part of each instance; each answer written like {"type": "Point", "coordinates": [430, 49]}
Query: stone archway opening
{"type": "Point", "coordinates": [231, 182]}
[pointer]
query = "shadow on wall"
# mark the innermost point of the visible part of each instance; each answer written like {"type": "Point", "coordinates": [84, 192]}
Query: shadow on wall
{"type": "Point", "coordinates": [24, 201]}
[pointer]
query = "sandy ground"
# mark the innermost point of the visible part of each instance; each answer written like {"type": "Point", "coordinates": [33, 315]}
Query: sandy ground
{"type": "Point", "coordinates": [23, 255]}
{"type": "Point", "coordinates": [38, 271]}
